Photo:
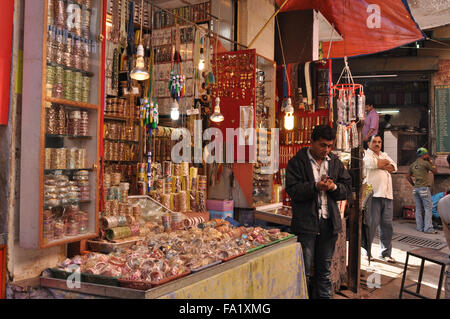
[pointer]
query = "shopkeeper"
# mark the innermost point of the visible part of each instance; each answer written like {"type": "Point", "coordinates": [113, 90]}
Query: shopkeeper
{"type": "Point", "coordinates": [315, 180]}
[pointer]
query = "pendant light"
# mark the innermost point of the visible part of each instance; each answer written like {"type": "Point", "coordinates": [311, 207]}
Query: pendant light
{"type": "Point", "coordinates": [289, 117]}
{"type": "Point", "coordinates": [217, 116]}
{"type": "Point", "coordinates": [174, 110]}
{"type": "Point", "coordinates": [288, 109]}
{"type": "Point", "coordinates": [201, 62]}
{"type": "Point", "coordinates": [140, 72]}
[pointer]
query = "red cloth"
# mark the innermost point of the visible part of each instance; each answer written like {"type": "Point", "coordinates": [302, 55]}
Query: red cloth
{"type": "Point", "coordinates": [354, 19]}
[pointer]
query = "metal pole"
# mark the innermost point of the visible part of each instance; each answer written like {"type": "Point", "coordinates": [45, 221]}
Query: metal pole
{"type": "Point", "coordinates": [267, 23]}
{"type": "Point", "coordinates": [355, 222]}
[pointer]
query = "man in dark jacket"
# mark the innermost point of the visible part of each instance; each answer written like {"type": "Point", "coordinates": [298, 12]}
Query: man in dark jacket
{"type": "Point", "coordinates": [315, 180]}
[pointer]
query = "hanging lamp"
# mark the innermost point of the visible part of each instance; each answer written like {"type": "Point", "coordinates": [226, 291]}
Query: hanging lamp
{"type": "Point", "coordinates": [201, 61]}
{"type": "Point", "coordinates": [217, 116]}
{"type": "Point", "coordinates": [174, 110]}
{"type": "Point", "coordinates": [287, 102]}
{"type": "Point", "coordinates": [289, 117]}
{"type": "Point", "coordinates": [140, 72]}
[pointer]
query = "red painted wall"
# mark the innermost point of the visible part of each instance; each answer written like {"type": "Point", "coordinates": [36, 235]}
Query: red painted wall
{"type": "Point", "coordinates": [2, 271]}
{"type": "Point", "coordinates": [6, 34]}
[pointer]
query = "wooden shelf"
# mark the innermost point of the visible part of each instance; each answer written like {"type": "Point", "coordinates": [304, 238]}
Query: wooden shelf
{"type": "Point", "coordinates": [81, 105]}
{"type": "Point", "coordinates": [34, 137]}
{"type": "Point", "coordinates": [69, 136]}
{"type": "Point", "coordinates": [129, 162]}
{"type": "Point", "coordinates": [123, 141]}
{"type": "Point", "coordinates": [120, 118]}
{"type": "Point", "coordinates": [67, 240]}
{"type": "Point", "coordinates": [71, 203]}
{"type": "Point", "coordinates": [48, 171]}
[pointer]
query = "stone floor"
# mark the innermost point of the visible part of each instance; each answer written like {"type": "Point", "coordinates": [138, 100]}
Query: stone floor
{"type": "Point", "coordinates": [390, 275]}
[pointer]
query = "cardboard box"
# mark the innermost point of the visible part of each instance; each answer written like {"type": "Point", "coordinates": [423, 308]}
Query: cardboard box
{"type": "Point", "coordinates": [219, 205]}
{"type": "Point", "coordinates": [221, 215]}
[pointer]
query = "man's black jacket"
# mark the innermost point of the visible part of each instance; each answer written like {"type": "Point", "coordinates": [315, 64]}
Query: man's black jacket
{"type": "Point", "coordinates": [301, 187]}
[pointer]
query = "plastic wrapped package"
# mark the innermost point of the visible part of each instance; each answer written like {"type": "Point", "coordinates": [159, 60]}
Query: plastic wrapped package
{"type": "Point", "coordinates": [361, 106]}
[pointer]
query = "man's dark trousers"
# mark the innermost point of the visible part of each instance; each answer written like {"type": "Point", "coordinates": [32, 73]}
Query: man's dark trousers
{"type": "Point", "coordinates": [318, 250]}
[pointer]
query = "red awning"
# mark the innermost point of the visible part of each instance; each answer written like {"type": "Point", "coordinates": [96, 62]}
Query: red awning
{"type": "Point", "coordinates": [367, 26]}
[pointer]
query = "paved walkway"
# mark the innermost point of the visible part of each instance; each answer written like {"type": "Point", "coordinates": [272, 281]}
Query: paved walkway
{"type": "Point", "coordinates": [390, 275]}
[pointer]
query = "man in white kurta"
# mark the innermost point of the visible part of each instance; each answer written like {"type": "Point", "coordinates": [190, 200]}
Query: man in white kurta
{"type": "Point", "coordinates": [378, 167]}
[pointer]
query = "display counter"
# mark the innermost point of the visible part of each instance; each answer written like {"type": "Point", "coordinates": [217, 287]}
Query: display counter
{"type": "Point", "coordinates": [256, 275]}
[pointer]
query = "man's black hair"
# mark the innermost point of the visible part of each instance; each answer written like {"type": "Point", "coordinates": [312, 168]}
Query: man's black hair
{"type": "Point", "coordinates": [448, 159]}
{"type": "Point", "coordinates": [372, 137]}
{"type": "Point", "coordinates": [323, 131]}
{"type": "Point", "coordinates": [387, 117]}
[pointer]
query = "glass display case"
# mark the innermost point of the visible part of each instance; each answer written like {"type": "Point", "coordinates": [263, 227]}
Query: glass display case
{"type": "Point", "coordinates": [276, 213]}
{"type": "Point", "coordinates": [61, 128]}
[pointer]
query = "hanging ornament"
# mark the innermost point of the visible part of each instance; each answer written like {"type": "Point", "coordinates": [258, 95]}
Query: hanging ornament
{"type": "Point", "coordinates": [177, 80]}
{"type": "Point", "coordinates": [209, 79]}
{"type": "Point", "coordinates": [155, 116]}
{"type": "Point", "coordinates": [346, 103]}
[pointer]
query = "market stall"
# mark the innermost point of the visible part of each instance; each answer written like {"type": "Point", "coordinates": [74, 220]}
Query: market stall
{"type": "Point", "coordinates": [109, 109]}
{"type": "Point", "coordinates": [255, 275]}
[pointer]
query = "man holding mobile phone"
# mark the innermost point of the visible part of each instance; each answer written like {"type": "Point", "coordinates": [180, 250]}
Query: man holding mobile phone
{"type": "Point", "coordinates": [315, 180]}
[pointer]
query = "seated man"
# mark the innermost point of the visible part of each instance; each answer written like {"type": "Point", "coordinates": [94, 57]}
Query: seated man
{"type": "Point", "coordinates": [444, 213]}
{"type": "Point", "coordinates": [437, 224]}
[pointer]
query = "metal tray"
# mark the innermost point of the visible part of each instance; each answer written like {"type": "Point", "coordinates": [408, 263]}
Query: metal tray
{"type": "Point", "coordinates": [135, 284]}
{"type": "Point", "coordinates": [286, 238]}
{"type": "Point", "coordinates": [85, 277]}
{"type": "Point", "coordinates": [207, 266]}
{"type": "Point", "coordinates": [255, 249]}
{"type": "Point", "coordinates": [166, 280]}
{"type": "Point", "coordinates": [232, 257]}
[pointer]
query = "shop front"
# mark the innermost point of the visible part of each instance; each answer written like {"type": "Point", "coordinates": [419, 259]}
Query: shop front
{"type": "Point", "coordinates": [153, 155]}
{"type": "Point", "coordinates": [117, 131]}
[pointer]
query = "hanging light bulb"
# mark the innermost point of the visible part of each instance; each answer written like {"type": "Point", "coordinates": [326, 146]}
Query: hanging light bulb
{"type": "Point", "coordinates": [174, 111]}
{"type": "Point", "coordinates": [289, 117]}
{"type": "Point", "coordinates": [140, 72]}
{"type": "Point", "coordinates": [201, 62]}
{"type": "Point", "coordinates": [217, 116]}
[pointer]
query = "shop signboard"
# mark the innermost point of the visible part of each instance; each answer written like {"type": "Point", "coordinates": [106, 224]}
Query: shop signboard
{"type": "Point", "coordinates": [442, 107]}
